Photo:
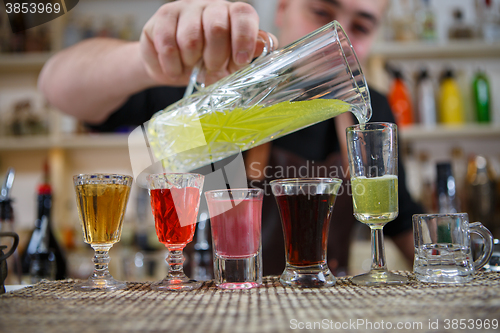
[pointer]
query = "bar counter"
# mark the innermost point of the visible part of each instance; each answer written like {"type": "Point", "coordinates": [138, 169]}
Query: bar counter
{"type": "Point", "coordinates": [416, 307]}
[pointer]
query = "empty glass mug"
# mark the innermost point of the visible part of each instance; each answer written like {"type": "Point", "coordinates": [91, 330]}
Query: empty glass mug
{"type": "Point", "coordinates": [443, 247]}
{"type": "Point", "coordinates": [311, 80]}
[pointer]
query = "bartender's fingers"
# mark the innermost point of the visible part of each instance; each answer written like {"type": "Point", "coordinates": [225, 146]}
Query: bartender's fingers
{"type": "Point", "coordinates": [244, 30]}
{"type": "Point", "coordinates": [217, 32]}
{"type": "Point", "coordinates": [190, 36]}
{"type": "Point", "coordinates": [159, 46]}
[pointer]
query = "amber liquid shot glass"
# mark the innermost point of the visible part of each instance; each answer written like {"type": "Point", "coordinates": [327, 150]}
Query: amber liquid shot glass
{"type": "Point", "coordinates": [101, 201]}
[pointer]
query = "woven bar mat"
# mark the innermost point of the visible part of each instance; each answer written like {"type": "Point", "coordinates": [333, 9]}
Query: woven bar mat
{"type": "Point", "coordinates": [416, 307]}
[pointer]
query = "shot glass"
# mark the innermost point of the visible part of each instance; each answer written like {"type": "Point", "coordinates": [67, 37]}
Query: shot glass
{"type": "Point", "coordinates": [101, 201]}
{"type": "Point", "coordinates": [305, 206]}
{"type": "Point", "coordinates": [175, 200]}
{"type": "Point", "coordinates": [235, 218]}
{"type": "Point", "coordinates": [443, 247]}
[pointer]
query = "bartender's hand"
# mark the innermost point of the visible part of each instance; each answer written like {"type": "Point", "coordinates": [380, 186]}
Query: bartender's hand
{"type": "Point", "coordinates": [93, 78]}
{"type": "Point", "coordinates": [180, 33]}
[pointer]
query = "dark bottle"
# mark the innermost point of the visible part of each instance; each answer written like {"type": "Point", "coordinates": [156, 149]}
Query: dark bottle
{"type": "Point", "coordinates": [446, 190]}
{"type": "Point", "coordinates": [447, 199]}
{"type": "Point", "coordinates": [426, 182]}
{"type": "Point", "coordinates": [202, 264]}
{"type": "Point", "coordinates": [43, 257]}
{"type": "Point", "coordinates": [459, 29]}
{"type": "Point", "coordinates": [481, 193]}
{"type": "Point", "coordinates": [43, 262]}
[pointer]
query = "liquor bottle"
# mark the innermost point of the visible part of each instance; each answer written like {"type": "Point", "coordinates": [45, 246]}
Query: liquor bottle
{"type": "Point", "coordinates": [426, 103]}
{"type": "Point", "coordinates": [447, 201]}
{"type": "Point", "coordinates": [450, 101]}
{"type": "Point", "coordinates": [144, 265]}
{"type": "Point", "coordinates": [481, 193]}
{"type": "Point", "coordinates": [426, 182]}
{"type": "Point", "coordinates": [459, 29]}
{"type": "Point", "coordinates": [202, 265]}
{"type": "Point", "coordinates": [399, 100]}
{"type": "Point", "coordinates": [482, 97]}
{"type": "Point", "coordinates": [43, 257]}
{"type": "Point", "coordinates": [42, 264]}
{"type": "Point", "coordinates": [459, 170]}
{"type": "Point", "coordinates": [427, 21]}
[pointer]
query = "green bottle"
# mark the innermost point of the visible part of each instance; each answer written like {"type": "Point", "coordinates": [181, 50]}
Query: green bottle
{"type": "Point", "coordinates": [482, 97]}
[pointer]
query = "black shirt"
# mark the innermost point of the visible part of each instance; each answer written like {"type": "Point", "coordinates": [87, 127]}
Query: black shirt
{"type": "Point", "coordinates": [315, 147]}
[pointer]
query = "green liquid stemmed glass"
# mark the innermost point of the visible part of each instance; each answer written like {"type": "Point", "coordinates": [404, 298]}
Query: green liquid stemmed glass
{"type": "Point", "coordinates": [373, 163]}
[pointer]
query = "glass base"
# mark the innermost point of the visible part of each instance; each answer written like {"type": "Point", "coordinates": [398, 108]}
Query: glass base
{"type": "Point", "coordinates": [108, 284]}
{"type": "Point", "coordinates": [379, 278]}
{"type": "Point", "coordinates": [177, 284]}
{"type": "Point", "coordinates": [238, 273]}
{"type": "Point", "coordinates": [239, 285]}
{"type": "Point", "coordinates": [317, 276]}
{"type": "Point", "coordinates": [444, 274]}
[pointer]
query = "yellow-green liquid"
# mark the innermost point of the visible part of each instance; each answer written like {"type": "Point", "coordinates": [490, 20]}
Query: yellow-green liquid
{"type": "Point", "coordinates": [375, 199]}
{"type": "Point", "coordinates": [199, 137]}
{"type": "Point", "coordinates": [253, 125]}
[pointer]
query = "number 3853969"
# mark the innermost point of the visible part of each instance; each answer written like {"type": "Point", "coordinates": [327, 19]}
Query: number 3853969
{"type": "Point", "coordinates": [32, 8]}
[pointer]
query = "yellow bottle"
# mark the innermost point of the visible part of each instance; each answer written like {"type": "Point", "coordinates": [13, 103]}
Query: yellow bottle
{"type": "Point", "coordinates": [450, 101]}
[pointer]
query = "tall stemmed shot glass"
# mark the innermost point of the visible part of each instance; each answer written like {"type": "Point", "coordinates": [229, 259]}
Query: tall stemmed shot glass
{"type": "Point", "coordinates": [101, 201]}
{"type": "Point", "coordinates": [373, 161]}
{"type": "Point", "coordinates": [175, 199]}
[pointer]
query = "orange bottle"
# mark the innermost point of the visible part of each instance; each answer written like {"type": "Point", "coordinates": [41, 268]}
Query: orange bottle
{"type": "Point", "coordinates": [399, 100]}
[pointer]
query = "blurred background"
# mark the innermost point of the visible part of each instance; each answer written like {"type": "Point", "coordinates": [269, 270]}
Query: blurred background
{"type": "Point", "coordinates": [438, 62]}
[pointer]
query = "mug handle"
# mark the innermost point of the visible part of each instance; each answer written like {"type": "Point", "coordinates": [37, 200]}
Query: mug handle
{"type": "Point", "coordinates": [263, 36]}
{"type": "Point", "coordinates": [14, 245]}
{"type": "Point", "coordinates": [479, 229]}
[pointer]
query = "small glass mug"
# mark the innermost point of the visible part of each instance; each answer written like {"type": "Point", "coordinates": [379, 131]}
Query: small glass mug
{"type": "Point", "coordinates": [443, 247]}
{"type": "Point", "coordinates": [235, 218]}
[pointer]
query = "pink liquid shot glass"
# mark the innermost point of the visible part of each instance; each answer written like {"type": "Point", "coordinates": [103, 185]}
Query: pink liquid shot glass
{"type": "Point", "coordinates": [235, 218]}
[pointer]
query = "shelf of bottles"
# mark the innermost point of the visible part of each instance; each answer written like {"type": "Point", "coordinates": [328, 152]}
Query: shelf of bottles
{"type": "Point", "coordinates": [469, 131]}
{"type": "Point", "coordinates": [430, 49]}
{"type": "Point", "coordinates": [438, 64]}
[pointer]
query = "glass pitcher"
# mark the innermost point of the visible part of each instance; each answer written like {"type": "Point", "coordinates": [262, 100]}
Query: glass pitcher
{"type": "Point", "coordinates": [311, 80]}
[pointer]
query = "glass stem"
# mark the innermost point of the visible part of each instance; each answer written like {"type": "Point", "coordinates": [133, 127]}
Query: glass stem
{"type": "Point", "coordinates": [378, 252]}
{"type": "Point", "coordinates": [101, 261]}
{"type": "Point", "coordinates": [175, 260]}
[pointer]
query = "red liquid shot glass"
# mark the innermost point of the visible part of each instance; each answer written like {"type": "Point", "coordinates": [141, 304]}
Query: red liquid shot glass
{"type": "Point", "coordinates": [175, 200]}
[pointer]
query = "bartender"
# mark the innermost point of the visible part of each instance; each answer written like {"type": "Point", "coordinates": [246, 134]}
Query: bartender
{"type": "Point", "coordinates": [110, 83]}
